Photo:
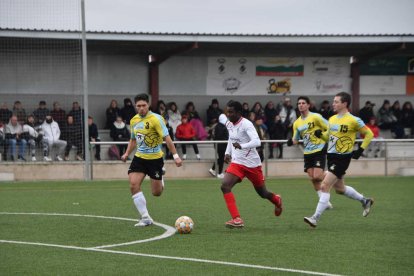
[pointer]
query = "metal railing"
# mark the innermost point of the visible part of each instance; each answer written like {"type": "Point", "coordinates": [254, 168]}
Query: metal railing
{"type": "Point", "coordinates": [265, 148]}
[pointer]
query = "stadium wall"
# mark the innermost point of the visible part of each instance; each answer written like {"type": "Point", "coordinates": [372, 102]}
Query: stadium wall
{"type": "Point", "coordinates": [191, 169]}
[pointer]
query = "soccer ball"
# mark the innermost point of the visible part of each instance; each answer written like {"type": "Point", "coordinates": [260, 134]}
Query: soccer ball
{"type": "Point", "coordinates": [184, 225]}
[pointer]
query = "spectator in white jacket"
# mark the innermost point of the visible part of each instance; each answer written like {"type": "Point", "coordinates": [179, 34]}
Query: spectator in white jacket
{"type": "Point", "coordinates": [51, 138]}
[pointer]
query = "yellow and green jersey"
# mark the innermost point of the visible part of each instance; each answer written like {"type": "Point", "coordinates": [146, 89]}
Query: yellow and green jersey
{"type": "Point", "coordinates": [304, 128]}
{"type": "Point", "coordinates": [149, 132]}
{"type": "Point", "coordinates": [342, 133]}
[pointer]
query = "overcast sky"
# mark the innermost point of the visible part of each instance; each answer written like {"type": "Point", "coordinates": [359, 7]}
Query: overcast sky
{"type": "Point", "coordinates": [216, 16]}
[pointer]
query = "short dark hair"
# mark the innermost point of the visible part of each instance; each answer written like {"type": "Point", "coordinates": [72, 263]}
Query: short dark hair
{"type": "Point", "coordinates": [306, 99]}
{"type": "Point", "coordinates": [141, 97]}
{"type": "Point", "coordinates": [345, 97]}
{"type": "Point", "coordinates": [237, 106]}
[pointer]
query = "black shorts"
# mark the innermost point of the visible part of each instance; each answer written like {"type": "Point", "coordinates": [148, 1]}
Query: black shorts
{"type": "Point", "coordinates": [315, 160]}
{"type": "Point", "coordinates": [338, 163]}
{"type": "Point", "coordinates": [150, 167]}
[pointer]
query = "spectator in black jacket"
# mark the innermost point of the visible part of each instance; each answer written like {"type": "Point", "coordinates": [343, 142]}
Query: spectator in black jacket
{"type": "Point", "coordinates": [111, 113]}
{"type": "Point", "coordinates": [120, 132]}
{"type": "Point", "coordinates": [128, 111]}
{"type": "Point", "coordinates": [5, 114]}
{"type": "Point", "coordinates": [40, 113]}
{"type": "Point", "coordinates": [72, 134]}
{"type": "Point", "coordinates": [213, 113]}
{"type": "Point", "coordinates": [94, 137]}
{"type": "Point", "coordinates": [219, 133]}
{"type": "Point", "coordinates": [367, 112]}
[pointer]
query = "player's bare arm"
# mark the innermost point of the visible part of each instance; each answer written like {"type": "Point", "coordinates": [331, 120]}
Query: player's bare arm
{"type": "Point", "coordinates": [131, 146]}
{"type": "Point", "coordinates": [173, 150]}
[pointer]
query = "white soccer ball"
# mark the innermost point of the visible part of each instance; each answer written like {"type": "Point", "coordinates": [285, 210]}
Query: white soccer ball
{"type": "Point", "coordinates": [184, 225]}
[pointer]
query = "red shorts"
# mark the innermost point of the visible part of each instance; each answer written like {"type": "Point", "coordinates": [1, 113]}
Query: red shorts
{"type": "Point", "coordinates": [255, 175]}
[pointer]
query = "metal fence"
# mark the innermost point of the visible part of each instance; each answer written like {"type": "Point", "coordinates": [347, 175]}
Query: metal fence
{"type": "Point", "coordinates": [385, 150]}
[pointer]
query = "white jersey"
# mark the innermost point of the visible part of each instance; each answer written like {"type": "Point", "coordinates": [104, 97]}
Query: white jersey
{"type": "Point", "coordinates": [244, 133]}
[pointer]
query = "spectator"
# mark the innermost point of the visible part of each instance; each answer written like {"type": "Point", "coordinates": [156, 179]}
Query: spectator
{"type": "Point", "coordinates": [51, 138]}
{"type": "Point", "coordinates": [258, 109]}
{"type": "Point", "coordinates": [40, 113]}
{"type": "Point", "coordinates": [213, 113]}
{"type": "Point", "coordinates": [19, 111]}
{"type": "Point", "coordinates": [190, 111]}
{"type": "Point", "coordinates": [5, 114]}
{"type": "Point", "coordinates": [396, 110]}
{"type": "Point", "coordinates": [14, 138]}
{"type": "Point", "coordinates": [128, 111]}
{"type": "Point", "coordinates": [186, 132]}
{"type": "Point", "coordinates": [162, 110]}
{"type": "Point", "coordinates": [407, 119]}
{"type": "Point", "coordinates": [270, 114]}
{"type": "Point", "coordinates": [32, 136]}
{"type": "Point", "coordinates": [119, 132]}
{"type": "Point", "coordinates": [94, 137]}
{"type": "Point", "coordinates": [251, 116]}
{"type": "Point", "coordinates": [174, 117]}
{"type": "Point", "coordinates": [201, 133]}
{"type": "Point", "coordinates": [288, 116]}
{"type": "Point", "coordinates": [77, 113]}
{"type": "Point", "coordinates": [262, 132]}
{"type": "Point", "coordinates": [245, 110]}
{"type": "Point", "coordinates": [326, 110]}
{"type": "Point", "coordinates": [112, 112]}
{"type": "Point", "coordinates": [386, 119]}
{"type": "Point", "coordinates": [312, 107]}
{"type": "Point", "coordinates": [58, 114]}
{"type": "Point", "coordinates": [367, 112]}
{"type": "Point", "coordinates": [374, 147]}
{"type": "Point", "coordinates": [219, 132]}
{"type": "Point", "coordinates": [277, 132]}
{"type": "Point", "coordinates": [72, 134]}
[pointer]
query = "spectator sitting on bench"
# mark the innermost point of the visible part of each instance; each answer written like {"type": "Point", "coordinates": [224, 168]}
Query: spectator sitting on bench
{"type": "Point", "coordinates": [51, 138]}
{"type": "Point", "coordinates": [94, 137]}
{"type": "Point", "coordinates": [31, 135]}
{"type": "Point", "coordinates": [119, 132]}
{"type": "Point", "coordinates": [186, 132]}
{"type": "Point", "coordinates": [14, 138]}
{"type": "Point", "coordinates": [72, 134]}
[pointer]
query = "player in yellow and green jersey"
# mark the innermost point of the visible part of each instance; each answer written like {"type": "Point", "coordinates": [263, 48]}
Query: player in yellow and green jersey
{"type": "Point", "coordinates": [341, 135]}
{"type": "Point", "coordinates": [148, 131]}
{"type": "Point", "coordinates": [314, 147]}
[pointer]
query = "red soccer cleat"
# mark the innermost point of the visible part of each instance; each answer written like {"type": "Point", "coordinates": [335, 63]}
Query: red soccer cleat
{"type": "Point", "coordinates": [235, 223]}
{"type": "Point", "coordinates": [278, 206]}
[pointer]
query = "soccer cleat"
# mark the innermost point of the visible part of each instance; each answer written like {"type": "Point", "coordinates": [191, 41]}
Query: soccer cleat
{"type": "Point", "coordinates": [220, 175]}
{"type": "Point", "coordinates": [145, 221]}
{"type": "Point", "coordinates": [330, 206]}
{"type": "Point", "coordinates": [278, 206]}
{"type": "Point", "coordinates": [311, 221]}
{"type": "Point", "coordinates": [235, 223]}
{"type": "Point", "coordinates": [184, 156]}
{"type": "Point", "coordinates": [47, 158]}
{"type": "Point", "coordinates": [212, 172]}
{"type": "Point", "coordinates": [58, 158]}
{"type": "Point", "coordinates": [367, 204]}
{"type": "Point", "coordinates": [33, 158]}
{"type": "Point", "coordinates": [21, 158]}
{"type": "Point", "coordinates": [79, 158]}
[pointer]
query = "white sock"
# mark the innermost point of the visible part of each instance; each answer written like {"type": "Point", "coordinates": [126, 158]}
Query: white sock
{"type": "Point", "coordinates": [352, 193]}
{"type": "Point", "coordinates": [319, 193]}
{"type": "Point", "coordinates": [141, 204]}
{"type": "Point", "coordinates": [322, 204]}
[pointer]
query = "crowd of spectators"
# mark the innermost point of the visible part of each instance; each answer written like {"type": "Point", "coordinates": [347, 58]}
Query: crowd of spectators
{"type": "Point", "coordinates": [21, 133]}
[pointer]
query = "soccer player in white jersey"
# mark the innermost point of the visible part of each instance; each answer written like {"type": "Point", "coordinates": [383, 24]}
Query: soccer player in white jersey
{"type": "Point", "coordinates": [245, 162]}
{"type": "Point", "coordinates": [148, 130]}
{"type": "Point", "coordinates": [314, 152]}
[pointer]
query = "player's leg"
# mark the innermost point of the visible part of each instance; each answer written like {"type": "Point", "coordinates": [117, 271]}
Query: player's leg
{"type": "Point", "coordinates": [154, 171]}
{"type": "Point", "coordinates": [255, 175]}
{"type": "Point", "coordinates": [233, 175]}
{"type": "Point", "coordinates": [136, 174]}
{"type": "Point", "coordinates": [316, 175]}
{"type": "Point", "coordinates": [328, 181]}
{"type": "Point", "coordinates": [350, 192]}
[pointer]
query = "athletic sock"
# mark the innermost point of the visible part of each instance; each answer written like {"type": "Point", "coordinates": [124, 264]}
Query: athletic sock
{"type": "Point", "coordinates": [319, 192]}
{"type": "Point", "coordinates": [274, 199]}
{"type": "Point", "coordinates": [140, 204]}
{"type": "Point", "coordinates": [231, 205]}
{"type": "Point", "coordinates": [322, 204]}
{"type": "Point", "coordinates": [352, 193]}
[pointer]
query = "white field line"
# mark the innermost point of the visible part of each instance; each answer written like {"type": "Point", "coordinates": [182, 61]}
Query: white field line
{"type": "Point", "coordinates": [169, 231]}
{"type": "Point", "coordinates": [99, 249]}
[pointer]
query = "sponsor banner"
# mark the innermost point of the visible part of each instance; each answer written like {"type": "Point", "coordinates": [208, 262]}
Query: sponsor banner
{"type": "Point", "coordinates": [383, 85]}
{"type": "Point", "coordinates": [395, 66]}
{"type": "Point", "coordinates": [280, 66]}
{"type": "Point", "coordinates": [317, 67]}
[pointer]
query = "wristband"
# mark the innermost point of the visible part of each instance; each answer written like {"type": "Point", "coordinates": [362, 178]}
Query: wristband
{"type": "Point", "coordinates": [176, 156]}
